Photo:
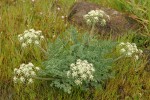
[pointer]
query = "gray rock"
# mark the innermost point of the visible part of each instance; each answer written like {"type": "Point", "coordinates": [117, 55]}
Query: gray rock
{"type": "Point", "coordinates": [118, 23]}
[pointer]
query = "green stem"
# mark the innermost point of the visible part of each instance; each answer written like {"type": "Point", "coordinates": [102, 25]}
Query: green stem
{"type": "Point", "coordinates": [119, 58]}
{"type": "Point", "coordinates": [92, 30]}
{"type": "Point", "coordinates": [43, 49]}
{"type": "Point", "coordinates": [40, 78]}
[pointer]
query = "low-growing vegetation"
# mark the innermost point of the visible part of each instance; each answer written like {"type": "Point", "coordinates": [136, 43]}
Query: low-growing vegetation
{"type": "Point", "coordinates": [44, 57]}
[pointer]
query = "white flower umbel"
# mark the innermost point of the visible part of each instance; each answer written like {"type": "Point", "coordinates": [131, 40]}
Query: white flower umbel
{"type": "Point", "coordinates": [24, 73]}
{"type": "Point", "coordinates": [130, 50]}
{"type": "Point", "coordinates": [81, 71]}
{"type": "Point", "coordinates": [30, 37]}
{"type": "Point", "coordinates": [95, 16]}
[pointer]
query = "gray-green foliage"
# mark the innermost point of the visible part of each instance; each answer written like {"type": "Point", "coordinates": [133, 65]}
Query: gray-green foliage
{"type": "Point", "coordinates": [63, 52]}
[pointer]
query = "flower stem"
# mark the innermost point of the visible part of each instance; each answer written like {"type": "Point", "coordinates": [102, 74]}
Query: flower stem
{"type": "Point", "coordinates": [42, 49]}
{"type": "Point", "coordinates": [92, 30]}
{"type": "Point", "coordinates": [119, 58]}
{"type": "Point", "coordinates": [40, 78]}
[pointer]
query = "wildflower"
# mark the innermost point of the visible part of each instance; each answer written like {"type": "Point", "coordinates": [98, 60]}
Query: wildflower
{"type": "Point", "coordinates": [103, 22]}
{"type": "Point", "coordinates": [130, 50]}
{"type": "Point", "coordinates": [24, 45]}
{"type": "Point", "coordinates": [95, 16]}
{"type": "Point", "coordinates": [30, 64]}
{"type": "Point", "coordinates": [37, 68]}
{"type": "Point", "coordinates": [136, 57]}
{"type": "Point", "coordinates": [58, 8]}
{"type": "Point", "coordinates": [68, 73]}
{"type": "Point", "coordinates": [30, 37]}
{"type": "Point", "coordinates": [91, 77]}
{"type": "Point", "coordinates": [62, 17]}
{"type": "Point", "coordinates": [74, 74]}
{"type": "Point", "coordinates": [33, 0]}
{"type": "Point", "coordinates": [24, 73]}
{"type": "Point", "coordinates": [33, 73]}
{"type": "Point", "coordinates": [15, 79]}
{"type": "Point", "coordinates": [140, 51]}
{"type": "Point", "coordinates": [129, 54]}
{"type": "Point", "coordinates": [29, 41]}
{"type": "Point", "coordinates": [22, 79]}
{"type": "Point", "coordinates": [18, 72]}
{"type": "Point", "coordinates": [30, 80]}
{"type": "Point", "coordinates": [37, 42]}
{"type": "Point", "coordinates": [78, 82]}
{"type": "Point", "coordinates": [42, 37]}
{"type": "Point", "coordinates": [80, 71]}
{"type": "Point", "coordinates": [21, 39]}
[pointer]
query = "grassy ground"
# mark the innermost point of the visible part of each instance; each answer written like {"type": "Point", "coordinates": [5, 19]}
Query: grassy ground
{"type": "Point", "coordinates": [16, 16]}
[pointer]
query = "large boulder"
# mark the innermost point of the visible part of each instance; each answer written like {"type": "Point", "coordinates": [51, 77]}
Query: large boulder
{"type": "Point", "coordinates": [118, 23]}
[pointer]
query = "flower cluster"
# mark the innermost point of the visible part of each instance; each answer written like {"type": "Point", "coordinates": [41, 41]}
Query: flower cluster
{"type": "Point", "coordinates": [81, 71]}
{"type": "Point", "coordinates": [130, 50]}
{"type": "Point", "coordinates": [95, 16]}
{"type": "Point", "coordinates": [25, 73]}
{"type": "Point", "coordinates": [30, 37]}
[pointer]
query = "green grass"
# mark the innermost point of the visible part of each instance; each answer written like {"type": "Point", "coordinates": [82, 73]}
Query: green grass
{"type": "Point", "coordinates": [127, 84]}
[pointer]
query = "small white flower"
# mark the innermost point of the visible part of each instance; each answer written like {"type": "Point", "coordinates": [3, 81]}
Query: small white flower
{"type": "Point", "coordinates": [58, 8]}
{"type": "Point", "coordinates": [130, 49]}
{"type": "Point", "coordinates": [92, 69]}
{"type": "Point", "coordinates": [21, 39]}
{"type": "Point", "coordinates": [38, 33]}
{"type": "Point", "coordinates": [68, 73]}
{"type": "Point", "coordinates": [15, 79]}
{"type": "Point", "coordinates": [30, 81]}
{"type": "Point", "coordinates": [26, 35]}
{"type": "Point", "coordinates": [24, 45]}
{"type": "Point", "coordinates": [30, 64]}
{"type": "Point", "coordinates": [37, 68]}
{"type": "Point", "coordinates": [122, 50]}
{"type": "Point", "coordinates": [78, 82]}
{"type": "Point", "coordinates": [103, 22]}
{"type": "Point", "coordinates": [37, 42]}
{"type": "Point", "coordinates": [19, 35]}
{"type": "Point", "coordinates": [18, 71]}
{"type": "Point", "coordinates": [29, 41]}
{"type": "Point", "coordinates": [74, 74]}
{"type": "Point", "coordinates": [129, 54]}
{"type": "Point", "coordinates": [140, 51]}
{"type": "Point", "coordinates": [31, 30]}
{"type": "Point", "coordinates": [15, 70]}
{"type": "Point", "coordinates": [80, 71]}
{"type": "Point", "coordinates": [62, 17]}
{"type": "Point", "coordinates": [91, 77]}
{"type": "Point", "coordinates": [32, 73]}
{"type": "Point", "coordinates": [136, 57]}
{"type": "Point", "coordinates": [27, 74]}
{"type": "Point", "coordinates": [95, 16]}
{"type": "Point", "coordinates": [72, 65]}
{"type": "Point", "coordinates": [22, 79]}
{"type": "Point", "coordinates": [83, 76]}
{"type": "Point", "coordinates": [121, 44]}
{"type": "Point", "coordinates": [22, 65]}
{"type": "Point", "coordinates": [30, 36]}
{"type": "Point", "coordinates": [79, 60]}
{"type": "Point", "coordinates": [33, 0]}
{"type": "Point", "coordinates": [42, 37]}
